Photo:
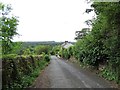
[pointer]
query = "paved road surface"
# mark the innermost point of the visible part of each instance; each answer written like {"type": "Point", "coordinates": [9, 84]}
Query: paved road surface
{"type": "Point", "coordinates": [62, 74]}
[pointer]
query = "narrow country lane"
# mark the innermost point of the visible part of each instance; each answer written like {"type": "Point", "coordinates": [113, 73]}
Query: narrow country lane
{"type": "Point", "coordinates": [61, 74]}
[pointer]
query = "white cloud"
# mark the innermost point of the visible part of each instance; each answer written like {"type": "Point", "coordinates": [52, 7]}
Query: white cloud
{"type": "Point", "coordinates": [46, 20]}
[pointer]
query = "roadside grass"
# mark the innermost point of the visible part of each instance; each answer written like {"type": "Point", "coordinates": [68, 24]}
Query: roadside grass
{"type": "Point", "coordinates": [109, 75]}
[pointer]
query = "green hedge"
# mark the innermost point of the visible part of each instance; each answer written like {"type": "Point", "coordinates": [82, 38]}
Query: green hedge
{"type": "Point", "coordinates": [16, 67]}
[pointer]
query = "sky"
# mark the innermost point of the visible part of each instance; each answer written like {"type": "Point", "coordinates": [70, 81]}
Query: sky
{"type": "Point", "coordinates": [49, 20]}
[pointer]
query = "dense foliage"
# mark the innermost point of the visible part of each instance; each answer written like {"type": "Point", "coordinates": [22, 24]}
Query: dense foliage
{"type": "Point", "coordinates": [55, 50]}
{"type": "Point", "coordinates": [20, 71]}
{"type": "Point", "coordinates": [39, 49]}
{"type": "Point", "coordinates": [101, 45]}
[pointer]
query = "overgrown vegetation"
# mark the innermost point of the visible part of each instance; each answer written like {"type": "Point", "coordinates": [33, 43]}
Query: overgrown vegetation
{"type": "Point", "coordinates": [101, 45]}
{"type": "Point", "coordinates": [21, 71]}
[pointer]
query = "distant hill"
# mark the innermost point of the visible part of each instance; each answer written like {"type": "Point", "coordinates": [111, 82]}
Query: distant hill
{"type": "Point", "coordinates": [34, 43]}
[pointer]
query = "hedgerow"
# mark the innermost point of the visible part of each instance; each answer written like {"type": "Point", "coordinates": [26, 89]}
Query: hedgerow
{"type": "Point", "coordinates": [19, 71]}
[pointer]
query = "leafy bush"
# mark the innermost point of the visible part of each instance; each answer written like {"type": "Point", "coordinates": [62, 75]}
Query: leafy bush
{"type": "Point", "coordinates": [65, 53]}
{"type": "Point", "coordinates": [110, 75]}
{"type": "Point", "coordinates": [55, 50]}
{"type": "Point", "coordinates": [47, 58]}
{"type": "Point", "coordinates": [42, 48]}
{"type": "Point", "coordinates": [70, 51]}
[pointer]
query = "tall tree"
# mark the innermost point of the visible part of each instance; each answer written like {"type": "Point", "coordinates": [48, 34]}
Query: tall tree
{"type": "Point", "coordinates": [8, 27]}
{"type": "Point", "coordinates": [82, 33]}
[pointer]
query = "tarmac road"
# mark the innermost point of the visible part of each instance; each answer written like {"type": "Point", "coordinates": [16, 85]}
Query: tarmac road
{"type": "Point", "coordinates": [62, 74]}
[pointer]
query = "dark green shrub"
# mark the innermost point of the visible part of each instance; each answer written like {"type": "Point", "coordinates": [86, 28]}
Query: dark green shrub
{"type": "Point", "coordinates": [47, 58]}
{"type": "Point", "coordinates": [66, 54]}
{"type": "Point", "coordinates": [70, 51]}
